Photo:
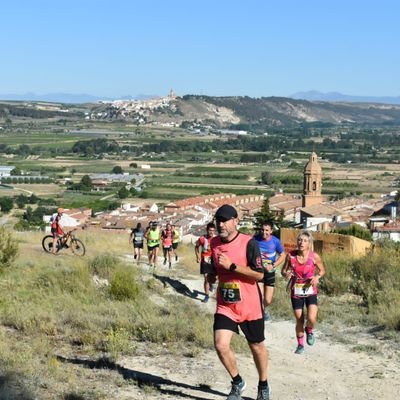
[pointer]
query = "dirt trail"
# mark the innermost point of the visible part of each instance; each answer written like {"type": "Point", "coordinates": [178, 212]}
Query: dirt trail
{"type": "Point", "coordinates": [327, 371]}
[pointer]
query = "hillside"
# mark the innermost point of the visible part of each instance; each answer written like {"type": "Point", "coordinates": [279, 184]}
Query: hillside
{"type": "Point", "coordinates": [277, 111]}
{"type": "Point", "coordinates": [246, 113]}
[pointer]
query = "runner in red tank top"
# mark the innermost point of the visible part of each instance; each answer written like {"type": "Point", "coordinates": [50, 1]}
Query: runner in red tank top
{"type": "Point", "coordinates": [300, 267]}
{"type": "Point", "coordinates": [237, 262]}
{"type": "Point", "coordinates": [203, 256]}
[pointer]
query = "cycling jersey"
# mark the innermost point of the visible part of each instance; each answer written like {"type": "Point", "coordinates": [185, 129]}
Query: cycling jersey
{"type": "Point", "coordinates": [55, 225]}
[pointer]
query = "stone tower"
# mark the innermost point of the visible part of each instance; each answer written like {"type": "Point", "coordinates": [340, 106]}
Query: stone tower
{"type": "Point", "coordinates": [312, 182]}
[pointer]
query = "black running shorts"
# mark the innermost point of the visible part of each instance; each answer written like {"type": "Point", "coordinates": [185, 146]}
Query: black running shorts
{"type": "Point", "coordinates": [269, 278]}
{"type": "Point", "coordinates": [253, 330]}
{"type": "Point", "coordinates": [298, 302]}
{"type": "Point", "coordinates": [206, 268]}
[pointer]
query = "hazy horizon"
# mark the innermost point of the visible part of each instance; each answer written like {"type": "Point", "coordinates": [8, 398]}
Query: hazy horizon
{"type": "Point", "coordinates": [223, 48]}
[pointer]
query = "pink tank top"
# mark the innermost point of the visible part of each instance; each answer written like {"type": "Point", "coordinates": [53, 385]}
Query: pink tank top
{"type": "Point", "coordinates": [301, 272]}
{"type": "Point", "coordinates": [238, 297]}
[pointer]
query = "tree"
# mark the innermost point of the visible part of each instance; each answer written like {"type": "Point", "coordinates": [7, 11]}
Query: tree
{"type": "Point", "coordinates": [117, 170]}
{"type": "Point", "coordinates": [123, 193]}
{"type": "Point", "coordinates": [6, 204]}
{"type": "Point", "coordinates": [264, 214]}
{"type": "Point", "coordinates": [355, 230]}
{"type": "Point", "coordinates": [266, 178]}
{"type": "Point", "coordinates": [15, 171]}
{"type": "Point", "coordinates": [86, 183]}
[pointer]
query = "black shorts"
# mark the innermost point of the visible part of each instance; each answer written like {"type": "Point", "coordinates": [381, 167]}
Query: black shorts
{"type": "Point", "coordinates": [206, 268]}
{"type": "Point", "coordinates": [298, 302]}
{"type": "Point", "coordinates": [269, 278]}
{"type": "Point", "coordinates": [253, 330]}
{"type": "Point", "coordinates": [138, 245]}
{"type": "Point", "coordinates": [150, 248]}
{"type": "Point", "coordinates": [168, 248]}
{"type": "Point", "coordinates": [175, 245]}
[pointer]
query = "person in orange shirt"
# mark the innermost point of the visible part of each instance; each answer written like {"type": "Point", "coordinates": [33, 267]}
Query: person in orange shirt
{"type": "Point", "coordinates": [237, 262]}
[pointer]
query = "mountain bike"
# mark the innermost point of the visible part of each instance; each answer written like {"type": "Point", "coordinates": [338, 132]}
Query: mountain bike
{"type": "Point", "coordinates": [68, 241]}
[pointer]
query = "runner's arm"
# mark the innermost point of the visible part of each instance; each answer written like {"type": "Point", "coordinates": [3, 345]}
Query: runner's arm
{"type": "Point", "coordinates": [286, 272]}
{"type": "Point", "coordinates": [321, 270]}
{"type": "Point", "coordinates": [280, 259]}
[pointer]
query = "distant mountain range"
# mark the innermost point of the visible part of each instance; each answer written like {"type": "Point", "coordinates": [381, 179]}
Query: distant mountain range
{"type": "Point", "coordinates": [68, 97]}
{"type": "Point", "coordinates": [314, 95]}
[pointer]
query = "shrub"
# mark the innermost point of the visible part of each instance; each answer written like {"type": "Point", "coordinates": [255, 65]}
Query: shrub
{"type": "Point", "coordinates": [103, 264]}
{"type": "Point", "coordinates": [124, 286]}
{"type": "Point", "coordinates": [8, 248]}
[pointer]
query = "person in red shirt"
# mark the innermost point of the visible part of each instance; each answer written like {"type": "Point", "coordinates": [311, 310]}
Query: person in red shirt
{"type": "Point", "coordinates": [56, 229]}
{"type": "Point", "coordinates": [237, 263]}
{"type": "Point", "coordinates": [166, 238]}
{"type": "Point", "coordinates": [204, 257]}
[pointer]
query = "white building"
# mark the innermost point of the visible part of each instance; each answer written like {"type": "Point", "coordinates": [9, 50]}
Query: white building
{"type": "Point", "coordinates": [6, 170]}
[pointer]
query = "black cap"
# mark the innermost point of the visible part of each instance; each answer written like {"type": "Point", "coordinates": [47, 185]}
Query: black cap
{"type": "Point", "coordinates": [225, 213]}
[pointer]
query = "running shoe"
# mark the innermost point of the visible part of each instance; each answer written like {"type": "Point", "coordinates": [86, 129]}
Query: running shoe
{"type": "Point", "coordinates": [206, 297]}
{"type": "Point", "coordinates": [176, 258]}
{"type": "Point", "coordinates": [310, 338]}
{"type": "Point", "coordinates": [135, 256]}
{"type": "Point", "coordinates": [264, 393]}
{"type": "Point", "coordinates": [300, 349]}
{"type": "Point", "coordinates": [237, 390]}
{"type": "Point", "coordinates": [170, 265]}
{"type": "Point", "coordinates": [165, 261]}
{"type": "Point", "coordinates": [267, 316]}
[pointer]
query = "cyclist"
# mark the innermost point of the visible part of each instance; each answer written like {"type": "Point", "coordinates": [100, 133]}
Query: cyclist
{"type": "Point", "coordinates": [204, 257]}
{"type": "Point", "coordinates": [56, 229]}
{"type": "Point", "coordinates": [137, 237]}
{"type": "Point", "coordinates": [304, 269]}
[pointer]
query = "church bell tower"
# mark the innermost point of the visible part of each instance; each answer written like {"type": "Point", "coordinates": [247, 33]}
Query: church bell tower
{"type": "Point", "coordinates": [312, 182]}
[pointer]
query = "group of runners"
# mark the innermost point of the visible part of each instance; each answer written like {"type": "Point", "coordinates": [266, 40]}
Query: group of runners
{"type": "Point", "coordinates": [156, 237]}
{"type": "Point", "coordinates": [245, 268]}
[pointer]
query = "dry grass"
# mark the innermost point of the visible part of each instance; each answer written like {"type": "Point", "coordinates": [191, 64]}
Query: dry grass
{"type": "Point", "coordinates": [52, 311]}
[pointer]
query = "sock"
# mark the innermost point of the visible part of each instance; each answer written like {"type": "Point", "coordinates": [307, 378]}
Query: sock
{"type": "Point", "coordinates": [308, 330]}
{"type": "Point", "coordinates": [263, 384]}
{"type": "Point", "coordinates": [237, 379]}
{"type": "Point", "coordinates": [300, 340]}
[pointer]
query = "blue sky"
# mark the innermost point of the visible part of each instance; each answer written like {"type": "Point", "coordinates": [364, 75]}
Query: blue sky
{"type": "Point", "coordinates": [212, 47]}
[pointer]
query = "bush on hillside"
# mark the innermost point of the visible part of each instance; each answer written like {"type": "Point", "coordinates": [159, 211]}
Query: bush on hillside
{"type": "Point", "coordinates": [103, 265]}
{"type": "Point", "coordinates": [123, 285]}
{"type": "Point", "coordinates": [8, 249]}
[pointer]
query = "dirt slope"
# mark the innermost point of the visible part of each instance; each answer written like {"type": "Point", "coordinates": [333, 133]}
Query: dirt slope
{"type": "Point", "coordinates": [327, 371]}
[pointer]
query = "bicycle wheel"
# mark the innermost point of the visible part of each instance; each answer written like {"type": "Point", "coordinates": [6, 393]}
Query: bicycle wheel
{"type": "Point", "coordinates": [47, 244]}
{"type": "Point", "coordinates": [77, 247]}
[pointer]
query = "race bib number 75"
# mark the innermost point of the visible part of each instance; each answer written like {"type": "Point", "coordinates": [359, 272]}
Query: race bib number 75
{"type": "Point", "coordinates": [230, 292]}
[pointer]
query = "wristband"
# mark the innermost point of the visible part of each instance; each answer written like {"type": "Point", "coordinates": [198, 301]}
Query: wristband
{"type": "Point", "coordinates": [232, 267]}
